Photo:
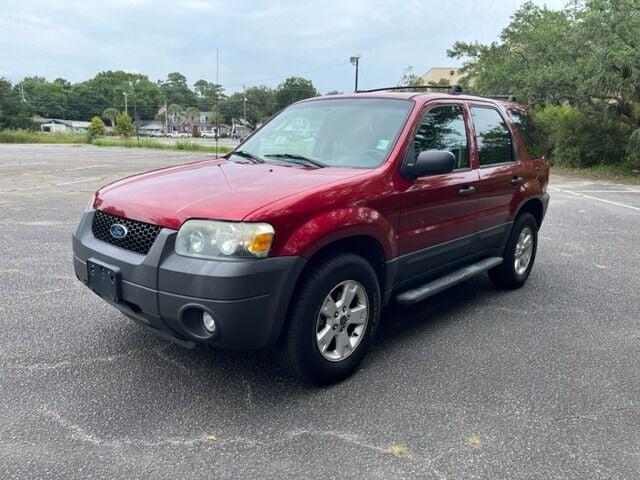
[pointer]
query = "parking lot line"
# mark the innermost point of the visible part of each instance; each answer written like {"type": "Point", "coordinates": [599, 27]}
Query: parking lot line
{"type": "Point", "coordinates": [578, 194]}
{"type": "Point", "coordinates": [80, 180]}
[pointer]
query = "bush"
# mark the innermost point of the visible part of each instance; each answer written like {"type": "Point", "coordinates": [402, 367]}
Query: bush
{"type": "Point", "coordinates": [633, 150]}
{"type": "Point", "coordinates": [124, 125]}
{"type": "Point", "coordinates": [580, 139]}
{"type": "Point", "coordinates": [96, 128]}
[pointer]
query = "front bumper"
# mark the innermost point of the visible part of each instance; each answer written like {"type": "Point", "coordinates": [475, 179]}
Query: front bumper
{"type": "Point", "coordinates": [248, 299]}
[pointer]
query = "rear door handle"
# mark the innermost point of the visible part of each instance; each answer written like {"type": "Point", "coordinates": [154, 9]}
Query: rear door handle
{"type": "Point", "coordinates": [517, 181]}
{"type": "Point", "coordinates": [468, 190]}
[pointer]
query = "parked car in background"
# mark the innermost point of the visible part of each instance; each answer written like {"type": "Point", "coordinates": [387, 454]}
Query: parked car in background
{"type": "Point", "coordinates": [207, 134]}
{"type": "Point", "coordinates": [178, 135]}
{"type": "Point", "coordinates": [335, 207]}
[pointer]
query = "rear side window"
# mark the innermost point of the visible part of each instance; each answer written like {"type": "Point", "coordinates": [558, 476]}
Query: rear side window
{"type": "Point", "coordinates": [528, 132]}
{"type": "Point", "coordinates": [443, 128]}
{"type": "Point", "coordinates": [493, 137]}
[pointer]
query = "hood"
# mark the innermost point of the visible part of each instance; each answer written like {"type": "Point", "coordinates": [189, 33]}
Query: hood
{"type": "Point", "coordinates": [215, 189]}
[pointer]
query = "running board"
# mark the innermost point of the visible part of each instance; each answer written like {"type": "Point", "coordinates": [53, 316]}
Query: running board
{"type": "Point", "coordinates": [425, 291]}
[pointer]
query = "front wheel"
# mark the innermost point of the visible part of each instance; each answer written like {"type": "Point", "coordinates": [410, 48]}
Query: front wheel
{"type": "Point", "coordinates": [519, 254]}
{"type": "Point", "coordinates": [332, 320]}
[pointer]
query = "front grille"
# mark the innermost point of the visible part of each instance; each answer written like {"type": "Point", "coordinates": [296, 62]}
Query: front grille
{"type": "Point", "coordinates": [139, 238]}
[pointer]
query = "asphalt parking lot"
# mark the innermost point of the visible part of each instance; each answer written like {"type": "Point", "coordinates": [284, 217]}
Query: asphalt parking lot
{"type": "Point", "coordinates": [543, 382]}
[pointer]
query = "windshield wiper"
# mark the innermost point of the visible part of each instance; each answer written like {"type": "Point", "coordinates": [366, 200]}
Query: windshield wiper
{"type": "Point", "coordinates": [249, 155]}
{"type": "Point", "coordinates": [299, 159]}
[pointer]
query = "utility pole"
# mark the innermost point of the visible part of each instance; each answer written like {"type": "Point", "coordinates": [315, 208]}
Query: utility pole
{"type": "Point", "coordinates": [126, 109]}
{"type": "Point", "coordinates": [132, 85]}
{"type": "Point", "coordinates": [22, 92]}
{"type": "Point", "coordinates": [244, 102]}
{"type": "Point", "coordinates": [166, 118]}
{"type": "Point", "coordinates": [355, 60]}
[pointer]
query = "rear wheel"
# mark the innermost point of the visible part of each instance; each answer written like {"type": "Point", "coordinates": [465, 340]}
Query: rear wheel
{"type": "Point", "coordinates": [519, 254]}
{"type": "Point", "coordinates": [332, 320]}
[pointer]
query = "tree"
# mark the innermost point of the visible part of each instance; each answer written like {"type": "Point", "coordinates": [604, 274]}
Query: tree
{"type": "Point", "coordinates": [209, 94]}
{"type": "Point", "coordinates": [261, 104]}
{"type": "Point", "coordinates": [409, 78]}
{"type": "Point", "coordinates": [111, 114]}
{"type": "Point", "coordinates": [96, 128]}
{"type": "Point", "coordinates": [124, 125]}
{"type": "Point", "coordinates": [14, 113]}
{"type": "Point", "coordinates": [176, 90]}
{"type": "Point", "coordinates": [294, 89]}
{"type": "Point", "coordinates": [579, 68]}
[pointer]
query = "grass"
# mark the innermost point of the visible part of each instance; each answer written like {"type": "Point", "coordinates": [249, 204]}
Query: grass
{"type": "Point", "coordinates": [621, 173]}
{"type": "Point", "coordinates": [27, 136]}
{"type": "Point", "coordinates": [150, 143]}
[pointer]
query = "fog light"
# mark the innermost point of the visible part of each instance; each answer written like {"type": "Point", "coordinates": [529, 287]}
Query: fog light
{"type": "Point", "coordinates": [208, 322]}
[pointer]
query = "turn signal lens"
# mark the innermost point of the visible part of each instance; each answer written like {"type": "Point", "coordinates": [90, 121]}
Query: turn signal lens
{"type": "Point", "coordinates": [261, 244]}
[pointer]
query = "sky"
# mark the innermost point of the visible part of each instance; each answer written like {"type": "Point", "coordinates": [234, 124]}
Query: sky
{"type": "Point", "coordinates": [259, 42]}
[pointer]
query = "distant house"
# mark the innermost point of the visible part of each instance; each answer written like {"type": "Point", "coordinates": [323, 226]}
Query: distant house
{"type": "Point", "coordinates": [56, 125]}
{"type": "Point", "coordinates": [240, 128]}
{"type": "Point", "coordinates": [438, 74]}
{"type": "Point", "coordinates": [154, 126]}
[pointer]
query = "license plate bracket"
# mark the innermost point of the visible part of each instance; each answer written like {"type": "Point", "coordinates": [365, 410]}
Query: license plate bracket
{"type": "Point", "coordinates": [105, 280]}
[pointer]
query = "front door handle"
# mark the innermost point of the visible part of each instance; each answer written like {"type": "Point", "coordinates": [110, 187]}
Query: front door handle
{"type": "Point", "coordinates": [515, 181]}
{"type": "Point", "coordinates": [468, 190]}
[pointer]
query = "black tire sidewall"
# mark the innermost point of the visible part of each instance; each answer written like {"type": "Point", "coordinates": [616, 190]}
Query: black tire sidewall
{"type": "Point", "coordinates": [314, 290]}
{"type": "Point", "coordinates": [524, 221]}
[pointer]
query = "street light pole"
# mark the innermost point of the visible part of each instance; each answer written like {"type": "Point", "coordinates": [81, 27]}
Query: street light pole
{"type": "Point", "coordinates": [355, 60]}
{"type": "Point", "coordinates": [126, 110]}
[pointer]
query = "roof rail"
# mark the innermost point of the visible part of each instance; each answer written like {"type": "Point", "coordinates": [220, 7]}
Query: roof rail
{"type": "Point", "coordinates": [508, 98]}
{"type": "Point", "coordinates": [452, 89]}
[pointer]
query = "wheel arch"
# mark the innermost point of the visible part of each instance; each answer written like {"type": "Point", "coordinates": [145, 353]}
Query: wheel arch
{"type": "Point", "coordinates": [533, 206]}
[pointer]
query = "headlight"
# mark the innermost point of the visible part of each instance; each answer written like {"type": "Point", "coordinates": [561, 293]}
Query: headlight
{"type": "Point", "coordinates": [224, 240]}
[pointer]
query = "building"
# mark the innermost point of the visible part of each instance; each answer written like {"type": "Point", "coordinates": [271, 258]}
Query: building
{"type": "Point", "coordinates": [155, 127]}
{"type": "Point", "coordinates": [439, 74]}
{"type": "Point", "coordinates": [56, 125]}
{"type": "Point", "coordinates": [240, 128]}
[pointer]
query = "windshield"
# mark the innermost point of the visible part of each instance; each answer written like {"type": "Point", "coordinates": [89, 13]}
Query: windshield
{"type": "Point", "coordinates": [350, 132]}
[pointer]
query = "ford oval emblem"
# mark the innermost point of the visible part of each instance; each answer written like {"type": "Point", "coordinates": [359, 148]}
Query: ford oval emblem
{"type": "Point", "coordinates": [118, 231]}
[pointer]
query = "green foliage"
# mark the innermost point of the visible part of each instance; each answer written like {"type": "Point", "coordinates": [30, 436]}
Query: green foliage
{"type": "Point", "coordinates": [577, 139]}
{"type": "Point", "coordinates": [633, 150]}
{"type": "Point", "coordinates": [580, 67]}
{"type": "Point", "coordinates": [30, 136]}
{"type": "Point", "coordinates": [96, 128]}
{"type": "Point", "coordinates": [111, 114]}
{"type": "Point", "coordinates": [409, 78]}
{"type": "Point", "coordinates": [261, 104]}
{"type": "Point", "coordinates": [13, 112]}
{"type": "Point", "coordinates": [124, 126]}
{"type": "Point", "coordinates": [294, 89]}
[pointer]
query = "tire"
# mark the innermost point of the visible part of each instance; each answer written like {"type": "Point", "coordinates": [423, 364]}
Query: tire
{"type": "Point", "coordinates": [312, 316]}
{"type": "Point", "coordinates": [507, 275]}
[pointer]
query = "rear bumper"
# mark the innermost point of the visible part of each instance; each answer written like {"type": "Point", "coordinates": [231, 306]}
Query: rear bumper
{"type": "Point", "coordinates": [161, 290]}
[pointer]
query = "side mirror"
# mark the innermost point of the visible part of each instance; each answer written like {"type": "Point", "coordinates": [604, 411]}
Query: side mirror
{"type": "Point", "coordinates": [433, 162]}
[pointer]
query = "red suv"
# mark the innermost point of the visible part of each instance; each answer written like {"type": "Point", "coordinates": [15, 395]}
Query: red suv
{"type": "Point", "coordinates": [300, 236]}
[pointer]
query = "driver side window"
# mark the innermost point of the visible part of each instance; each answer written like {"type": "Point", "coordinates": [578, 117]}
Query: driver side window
{"type": "Point", "coordinates": [443, 128]}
